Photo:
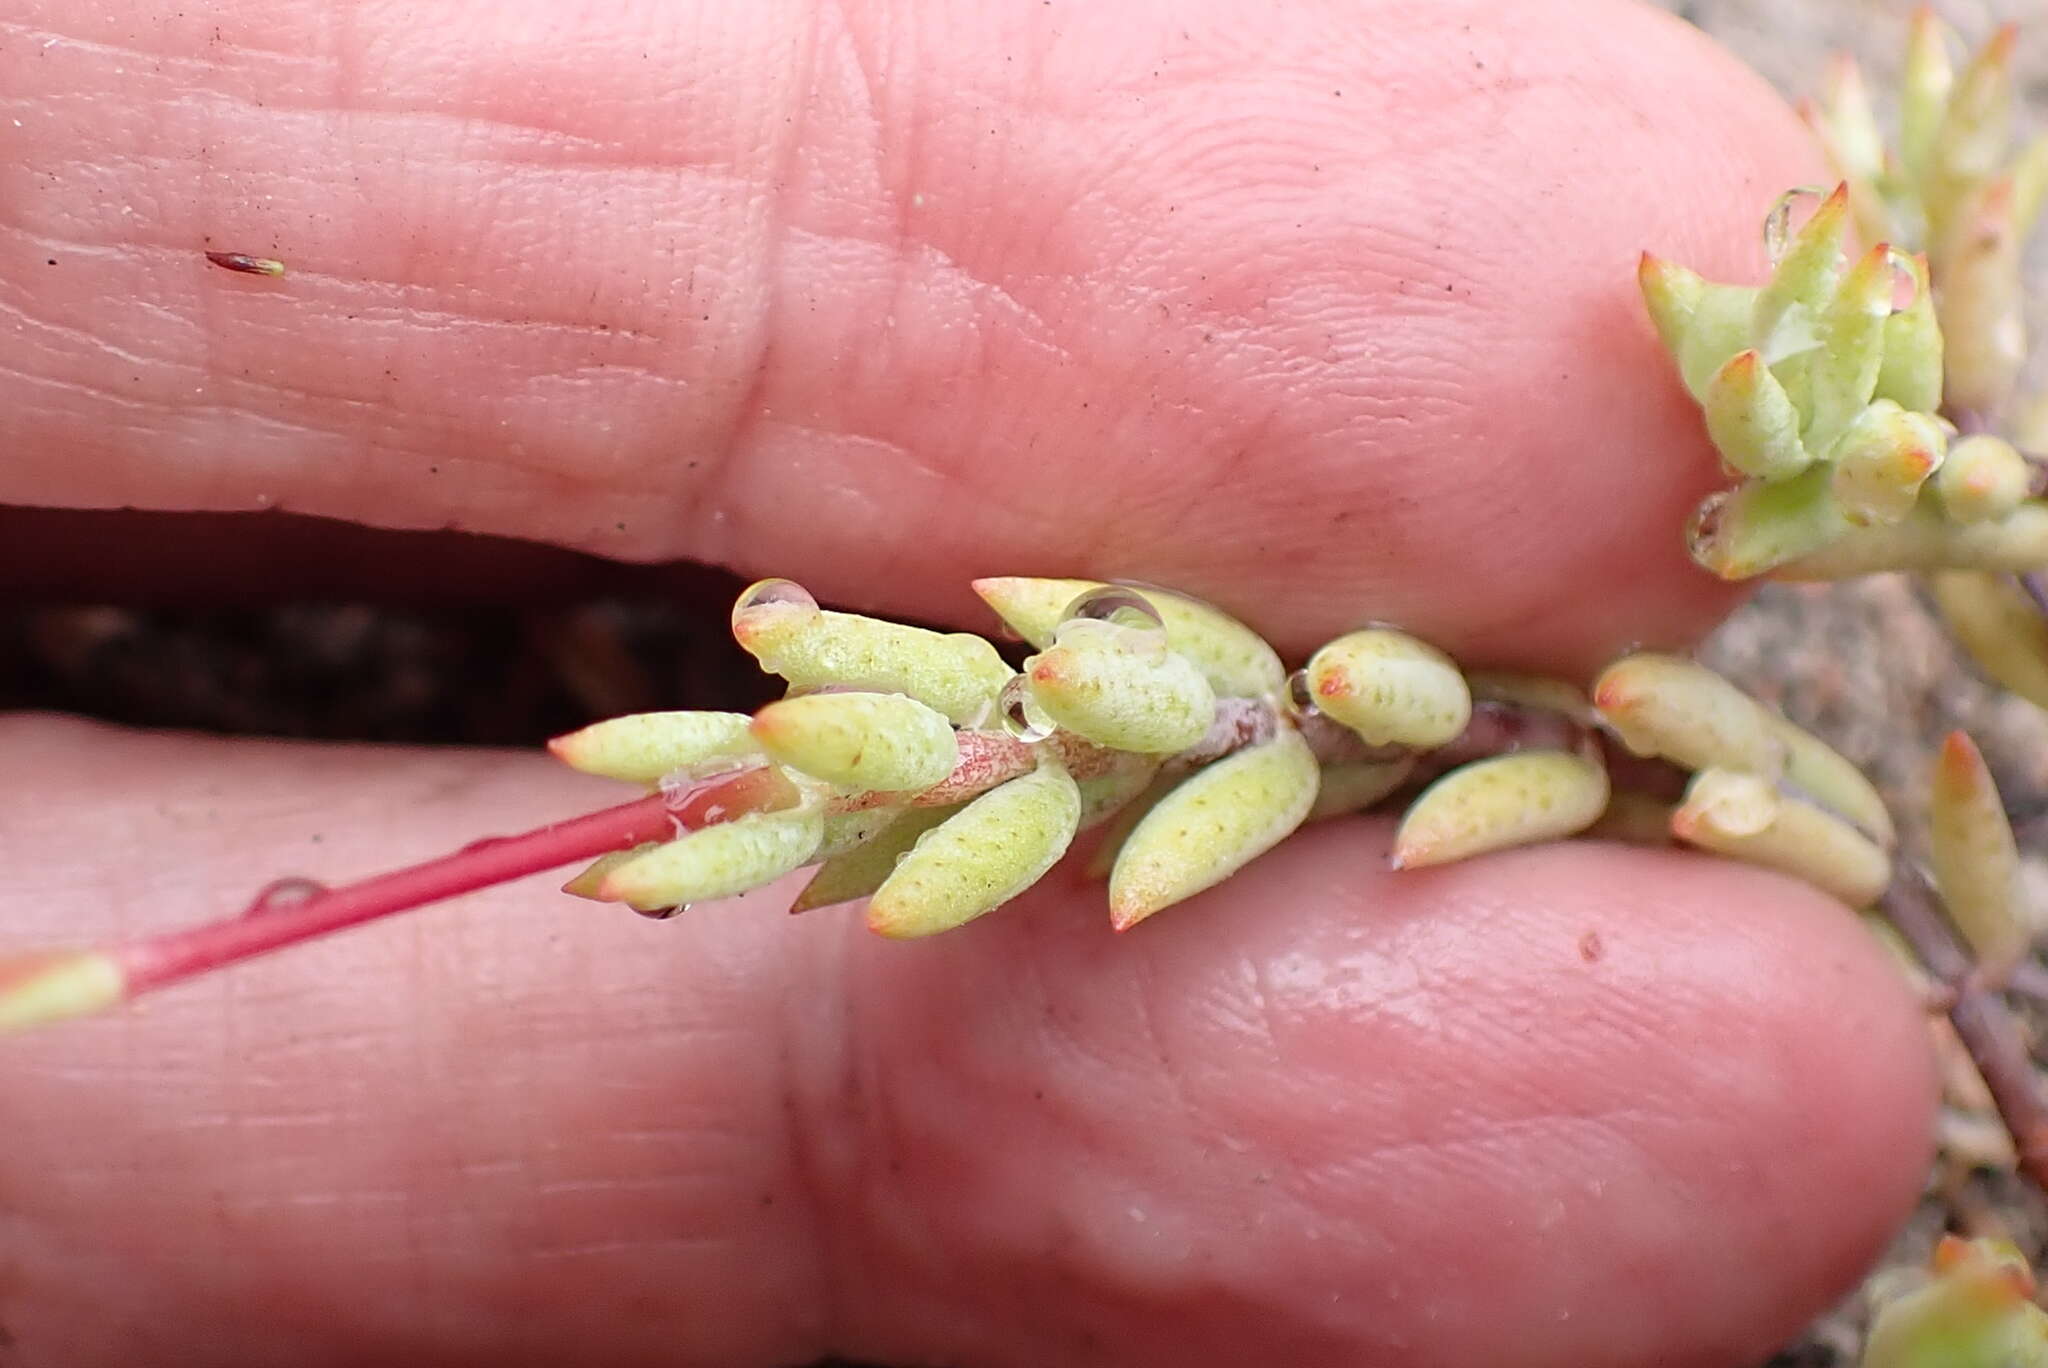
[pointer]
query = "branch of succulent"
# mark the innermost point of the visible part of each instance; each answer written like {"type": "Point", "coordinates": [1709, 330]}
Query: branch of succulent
{"type": "Point", "coordinates": [919, 771]}
{"type": "Point", "coordinates": [1861, 401]}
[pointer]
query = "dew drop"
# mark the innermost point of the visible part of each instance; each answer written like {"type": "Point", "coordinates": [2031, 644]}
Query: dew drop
{"type": "Point", "coordinates": [1301, 697]}
{"type": "Point", "coordinates": [677, 783]}
{"type": "Point", "coordinates": [662, 913]}
{"type": "Point", "coordinates": [1022, 717]}
{"type": "Point", "coordinates": [808, 690]}
{"type": "Point", "coordinates": [279, 894]}
{"type": "Point", "coordinates": [1905, 281]}
{"type": "Point", "coordinates": [1778, 223]}
{"type": "Point", "coordinates": [1704, 530]}
{"type": "Point", "coordinates": [763, 593]}
{"type": "Point", "coordinates": [1121, 607]}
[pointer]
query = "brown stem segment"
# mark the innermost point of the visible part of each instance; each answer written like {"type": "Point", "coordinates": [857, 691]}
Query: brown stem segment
{"type": "Point", "coordinates": [1981, 1018]}
{"type": "Point", "coordinates": [2036, 589]}
{"type": "Point", "coordinates": [156, 961]}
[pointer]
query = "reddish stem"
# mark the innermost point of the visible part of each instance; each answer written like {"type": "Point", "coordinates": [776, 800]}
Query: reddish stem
{"type": "Point", "coordinates": [159, 960]}
{"type": "Point", "coordinates": [1981, 1018]}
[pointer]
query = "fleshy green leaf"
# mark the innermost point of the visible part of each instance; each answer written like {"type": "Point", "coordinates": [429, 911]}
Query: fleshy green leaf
{"type": "Point", "coordinates": [984, 855]}
{"type": "Point", "coordinates": [869, 741]}
{"type": "Point", "coordinates": [1751, 420]}
{"type": "Point", "coordinates": [718, 861]}
{"type": "Point", "coordinates": [645, 746]}
{"type": "Point", "coordinates": [954, 672]}
{"type": "Point", "coordinates": [1976, 862]}
{"type": "Point", "coordinates": [1738, 815]}
{"type": "Point", "coordinates": [1983, 477]}
{"type": "Point", "coordinates": [1998, 626]}
{"type": "Point", "coordinates": [1211, 825]}
{"type": "Point", "coordinates": [1501, 802]}
{"type": "Point", "coordinates": [858, 871]}
{"type": "Point", "coordinates": [1234, 659]}
{"type": "Point", "coordinates": [1390, 688]}
{"type": "Point", "coordinates": [1096, 685]}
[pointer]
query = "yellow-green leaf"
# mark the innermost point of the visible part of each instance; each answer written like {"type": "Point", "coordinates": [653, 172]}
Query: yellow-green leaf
{"type": "Point", "coordinates": [1500, 802]}
{"type": "Point", "coordinates": [1211, 825]}
{"type": "Point", "coordinates": [981, 857]}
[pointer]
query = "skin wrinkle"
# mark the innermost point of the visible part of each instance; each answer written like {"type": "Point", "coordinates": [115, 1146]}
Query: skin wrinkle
{"type": "Point", "coordinates": [849, 40]}
{"type": "Point", "coordinates": [308, 273]}
{"type": "Point", "coordinates": [948, 296]}
{"type": "Point", "coordinates": [85, 339]}
{"type": "Point", "coordinates": [1188, 1115]}
{"type": "Point", "coordinates": [875, 1164]}
{"type": "Point", "coordinates": [1211, 1105]}
{"type": "Point", "coordinates": [1031, 266]}
{"type": "Point", "coordinates": [1082, 1252]}
{"type": "Point", "coordinates": [704, 490]}
{"type": "Point", "coordinates": [823, 1097]}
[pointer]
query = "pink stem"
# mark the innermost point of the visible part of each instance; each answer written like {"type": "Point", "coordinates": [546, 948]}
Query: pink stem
{"type": "Point", "coordinates": [155, 961]}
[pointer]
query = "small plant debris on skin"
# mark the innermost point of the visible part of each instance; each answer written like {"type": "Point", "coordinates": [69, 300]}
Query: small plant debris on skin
{"type": "Point", "coordinates": [246, 264]}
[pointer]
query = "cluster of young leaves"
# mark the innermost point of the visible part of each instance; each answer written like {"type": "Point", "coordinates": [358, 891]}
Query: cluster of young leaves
{"type": "Point", "coordinates": [918, 771]}
{"type": "Point", "coordinates": [1816, 390]}
{"type": "Point", "coordinates": [1857, 398]}
{"type": "Point", "coordinates": [922, 773]}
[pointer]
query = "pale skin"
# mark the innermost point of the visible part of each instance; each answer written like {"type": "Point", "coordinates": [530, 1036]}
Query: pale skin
{"type": "Point", "coordinates": [884, 296]}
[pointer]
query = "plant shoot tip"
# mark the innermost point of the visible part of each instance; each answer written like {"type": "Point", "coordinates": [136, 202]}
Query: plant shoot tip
{"type": "Point", "coordinates": [54, 985]}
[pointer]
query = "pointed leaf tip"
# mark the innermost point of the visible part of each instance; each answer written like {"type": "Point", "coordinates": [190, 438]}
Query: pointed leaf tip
{"type": "Point", "coordinates": [1975, 857]}
{"type": "Point", "coordinates": [716, 861]}
{"type": "Point", "coordinates": [1671, 293]}
{"type": "Point", "coordinates": [982, 856]}
{"type": "Point", "coordinates": [46, 986]}
{"type": "Point", "coordinates": [1503, 801]}
{"type": "Point", "coordinates": [1211, 825]}
{"type": "Point", "coordinates": [869, 741]}
{"type": "Point", "coordinates": [645, 747]}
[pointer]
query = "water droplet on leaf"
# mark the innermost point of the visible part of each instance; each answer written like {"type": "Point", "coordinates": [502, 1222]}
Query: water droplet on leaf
{"type": "Point", "coordinates": [1123, 607]}
{"type": "Point", "coordinates": [1778, 223]}
{"type": "Point", "coordinates": [1022, 717]}
{"type": "Point", "coordinates": [662, 913]}
{"type": "Point", "coordinates": [763, 593]}
{"type": "Point", "coordinates": [1905, 281]}
{"type": "Point", "coordinates": [1301, 697]}
{"type": "Point", "coordinates": [280, 894]}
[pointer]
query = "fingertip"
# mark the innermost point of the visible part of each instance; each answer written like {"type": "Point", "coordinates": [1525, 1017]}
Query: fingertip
{"type": "Point", "coordinates": [1580, 1105]}
{"type": "Point", "coordinates": [1359, 318]}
